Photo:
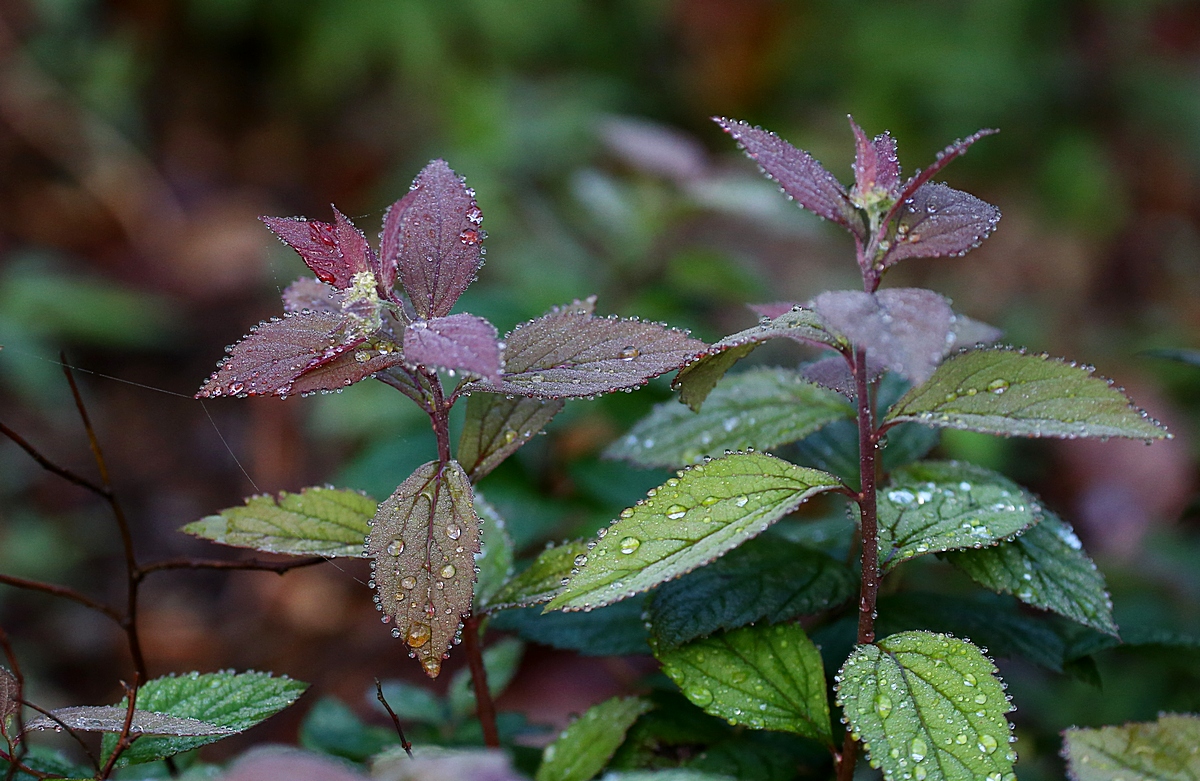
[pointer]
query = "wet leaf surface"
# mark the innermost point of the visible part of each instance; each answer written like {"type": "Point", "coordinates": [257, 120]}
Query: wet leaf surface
{"type": "Point", "coordinates": [936, 506]}
{"type": "Point", "coordinates": [1162, 750]}
{"type": "Point", "coordinates": [876, 166]}
{"type": "Point", "coordinates": [317, 521]}
{"type": "Point", "coordinates": [1047, 568]}
{"type": "Point", "coordinates": [1002, 391]}
{"type": "Point", "coordinates": [584, 747]}
{"type": "Point", "coordinates": [760, 408]}
{"type": "Point", "coordinates": [938, 221]}
{"type": "Point", "coordinates": [495, 559]}
{"type": "Point", "coordinates": [615, 630]}
{"type": "Point", "coordinates": [460, 342]}
{"type": "Point", "coordinates": [10, 701]}
{"type": "Point", "coordinates": [496, 427]}
{"type": "Point", "coordinates": [335, 252]}
{"type": "Point", "coordinates": [929, 707]}
{"type": "Point", "coordinates": [689, 521]}
{"type": "Point", "coordinates": [310, 295]}
{"type": "Point", "coordinates": [541, 580]}
{"type": "Point", "coordinates": [111, 718]}
{"type": "Point", "coordinates": [423, 543]}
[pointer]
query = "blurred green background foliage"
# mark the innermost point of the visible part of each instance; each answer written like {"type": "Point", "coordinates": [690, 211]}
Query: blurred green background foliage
{"type": "Point", "coordinates": [140, 139]}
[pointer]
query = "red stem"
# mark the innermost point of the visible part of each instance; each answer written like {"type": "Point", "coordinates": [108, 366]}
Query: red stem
{"type": "Point", "coordinates": [486, 708]}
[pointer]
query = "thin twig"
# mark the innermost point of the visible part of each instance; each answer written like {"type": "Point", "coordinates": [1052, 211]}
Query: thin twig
{"type": "Point", "coordinates": [50, 466]}
{"type": "Point", "coordinates": [124, 739]}
{"type": "Point", "coordinates": [279, 567]}
{"type": "Point", "coordinates": [64, 592]}
{"type": "Point", "coordinates": [404, 744]}
{"type": "Point", "coordinates": [21, 766]}
{"type": "Point", "coordinates": [485, 707]}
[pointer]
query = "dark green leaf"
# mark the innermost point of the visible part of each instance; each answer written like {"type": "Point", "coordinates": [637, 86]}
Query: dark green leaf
{"type": "Point", "coordinates": [1047, 568]}
{"type": "Point", "coordinates": [496, 427]}
{"type": "Point", "coordinates": [928, 706]}
{"type": "Point", "coordinates": [698, 378]}
{"type": "Point", "coordinates": [47, 761]}
{"type": "Point", "coordinates": [234, 701]}
{"type": "Point", "coordinates": [1189, 357]}
{"type": "Point", "coordinates": [689, 521]}
{"type": "Point", "coordinates": [1163, 750]}
{"type": "Point", "coordinates": [999, 391]}
{"type": "Point", "coordinates": [760, 756]}
{"type": "Point", "coordinates": [495, 559]}
{"type": "Point", "coordinates": [424, 541]}
{"type": "Point", "coordinates": [332, 728]}
{"type": "Point", "coordinates": [540, 581]}
{"type": "Point", "coordinates": [766, 677]}
{"type": "Point", "coordinates": [936, 506]}
{"type": "Point", "coordinates": [585, 747]}
{"type": "Point", "coordinates": [500, 660]}
{"type": "Point", "coordinates": [415, 703]}
{"type": "Point", "coordinates": [760, 408]}
{"type": "Point", "coordinates": [317, 521]}
{"type": "Point", "coordinates": [111, 718]}
{"type": "Point", "coordinates": [616, 630]}
{"type": "Point", "coordinates": [765, 579]}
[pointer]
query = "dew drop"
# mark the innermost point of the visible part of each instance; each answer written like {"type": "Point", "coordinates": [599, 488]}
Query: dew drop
{"type": "Point", "coordinates": [580, 560]}
{"type": "Point", "coordinates": [629, 353]}
{"type": "Point", "coordinates": [960, 739]}
{"type": "Point", "coordinates": [630, 544]}
{"type": "Point", "coordinates": [362, 356]}
{"type": "Point", "coordinates": [448, 571]}
{"type": "Point", "coordinates": [919, 749]}
{"type": "Point", "coordinates": [676, 511]}
{"type": "Point", "coordinates": [969, 680]}
{"type": "Point", "coordinates": [627, 512]}
{"type": "Point", "coordinates": [980, 699]}
{"type": "Point", "coordinates": [418, 635]}
{"type": "Point", "coordinates": [883, 704]}
{"type": "Point", "coordinates": [701, 697]}
{"type": "Point", "coordinates": [408, 583]}
{"type": "Point", "coordinates": [987, 744]}
{"type": "Point", "coordinates": [998, 386]}
{"type": "Point", "coordinates": [709, 501]}
{"type": "Point", "coordinates": [510, 436]}
{"type": "Point", "coordinates": [741, 501]}
{"type": "Point", "coordinates": [453, 531]}
{"type": "Point", "coordinates": [432, 666]}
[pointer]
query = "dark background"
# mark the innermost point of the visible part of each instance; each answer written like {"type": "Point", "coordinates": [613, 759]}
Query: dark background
{"type": "Point", "coordinates": [140, 139]}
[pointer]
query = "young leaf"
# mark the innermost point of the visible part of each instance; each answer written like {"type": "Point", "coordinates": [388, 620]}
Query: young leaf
{"type": "Point", "coordinates": [938, 221]}
{"type": "Point", "coordinates": [317, 521]}
{"type": "Point", "coordinates": [111, 718]}
{"type": "Point", "coordinates": [944, 158]}
{"type": "Point", "coordinates": [424, 540]}
{"type": "Point", "coordinates": [691, 520]}
{"type": "Point", "coordinates": [570, 352]}
{"type": "Point", "coordinates": [461, 342]}
{"type": "Point", "coordinates": [1010, 392]}
{"type": "Point", "coordinates": [698, 378]}
{"type": "Point", "coordinates": [500, 660]}
{"type": "Point", "coordinates": [496, 427]}
{"type": "Point", "coordinates": [234, 701]}
{"type": "Point", "coordinates": [770, 580]}
{"type": "Point", "coordinates": [309, 295]}
{"type": "Point", "coordinates": [907, 330]}
{"type": "Point", "coordinates": [615, 630]}
{"type": "Point", "coordinates": [1045, 567]}
{"type": "Point", "coordinates": [432, 236]}
{"type": "Point", "coordinates": [542, 580]}
{"type": "Point", "coordinates": [334, 252]}
{"type": "Point", "coordinates": [800, 177]}
{"type": "Point", "coordinates": [876, 167]}
{"type": "Point", "coordinates": [351, 366]}
{"type": "Point", "coordinates": [584, 748]}
{"type": "Point", "coordinates": [927, 706]}
{"type": "Point", "coordinates": [936, 506]}
{"type": "Point", "coordinates": [766, 677]}
{"type": "Point", "coordinates": [1163, 750]}
{"type": "Point", "coordinates": [760, 408]}
{"type": "Point", "coordinates": [495, 560]}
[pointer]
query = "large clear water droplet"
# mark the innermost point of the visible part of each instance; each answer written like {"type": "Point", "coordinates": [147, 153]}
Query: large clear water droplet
{"type": "Point", "coordinates": [630, 544]}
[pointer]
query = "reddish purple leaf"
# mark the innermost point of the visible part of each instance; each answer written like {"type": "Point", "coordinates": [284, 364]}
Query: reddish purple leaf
{"type": "Point", "coordinates": [279, 352]}
{"type": "Point", "coordinates": [875, 163]}
{"type": "Point", "coordinates": [309, 295]}
{"type": "Point", "coordinates": [335, 252]}
{"type": "Point", "coordinates": [907, 330]}
{"type": "Point", "coordinates": [570, 352]}
{"type": "Point", "coordinates": [939, 221]}
{"type": "Point", "coordinates": [800, 177]}
{"type": "Point", "coordinates": [460, 342]}
{"type": "Point", "coordinates": [350, 367]}
{"type": "Point", "coordinates": [831, 372]}
{"type": "Point", "coordinates": [432, 239]}
{"type": "Point", "coordinates": [944, 157]}
{"type": "Point", "coordinates": [773, 309]}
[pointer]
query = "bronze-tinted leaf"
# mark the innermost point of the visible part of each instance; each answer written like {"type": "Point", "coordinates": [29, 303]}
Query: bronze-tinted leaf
{"type": "Point", "coordinates": [423, 542]}
{"type": "Point", "coordinates": [432, 238]}
{"type": "Point", "coordinates": [876, 167]}
{"type": "Point", "coordinates": [699, 377]}
{"type": "Point", "coordinates": [334, 252]}
{"type": "Point", "coordinates": [569, 353]}
{"type": "Point", "coordinates": [351, 366]}
{"type": "Point", "coordinates": [907, 330]}
{"type": "Point", "coordinates": [277, 352]}
{"type": "Point", "coordinates": [496, 427]}
{"type": "Point", "coordinates": [111, 718]}
{"type": "Point", "coordinates": [310, 295]}
{"type": "Point", "coordinates": [460, 342]}
{"type": "Point", "coordinates": [800, 177]}
{"type": "Point", "coordinates": [938, 221]}
{"type": "Point", "coordinates": [10, 699]}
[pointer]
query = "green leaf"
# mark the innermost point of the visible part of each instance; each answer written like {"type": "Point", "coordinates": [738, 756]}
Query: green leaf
{"type": "Point", "coordinates": [689, 521]}
{"type": "Point", "coordinates": [766, 677]}
{"type": "Point", "coordinates": [928, 706]}
{"type": "Point", "coordinates": [415, 703]}
{"type": "Point", "coordinates": [48, 761]}
{"type": "Point", "coordinates": [585, 747]}
{"type": "Point", "coordinates": [668, 774]}
{"type": "Point", "coordinates": [615, 630]}
{"type": "Point", "coordinates": [540, 581]}
{"type": "Point", "coordinates": [696, 380]}
{"type": "Point", "coordinates": [500, 660]}
{"type": "Point", "coordinates": [423, 542]}
{"type": "Point", "coordinates": [317, 521]}
{"type": "Point", "coordinates": [1163, 750]}
{"type": "Point", "coordinates": [226, 699]}
{"type": "Point", "coordinates": [769, 580]}
{"type": "Point", "coordinates": [1009, 392]}
{"type": "Point", "coordinates": [332, 728]}
{"type": "Point", "coordinates": [497, 426]}
{"type": "Point", "coordinates": [936, 506]}
{"type": "Point", "coordinates": [760, 408]}
{"type": "Point", "coordinates": [1047, 568]}
{"type": "Point", "coordinates": [495, 560]}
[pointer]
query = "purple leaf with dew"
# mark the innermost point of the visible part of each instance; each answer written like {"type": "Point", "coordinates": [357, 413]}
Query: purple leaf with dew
{"type": "Point", "coordinates": [876, 166]}
{"type": "Point", "coordinates": [944, 157]}
{"type": "Point", "coordinates": [277, 352]}
{"type": "Point", "coordinates": [334, 252]}
{"type": "Point", "coordinates": [832, 372]}
{"type": "Point", "coordinates": [350, 366]}
{"type": "Point", "coordinates": [800, 177]}
{"type": "Point", "coordinates": [773, 309]}
{"type": "Point", "coordinates": [907, 330]}
{"type": "Point", "coordinates": [310, 295]}
{"type": "Point", "coordinates": [432, 238]}
{"type": "Point", "coordinates": [939, 221]}
{"type": "Point", "coordinates": [424, 540]}
{"type": "Point", "coordinates": [570, 352]}
{"type": "Point", "coordinates": [459, 342]}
